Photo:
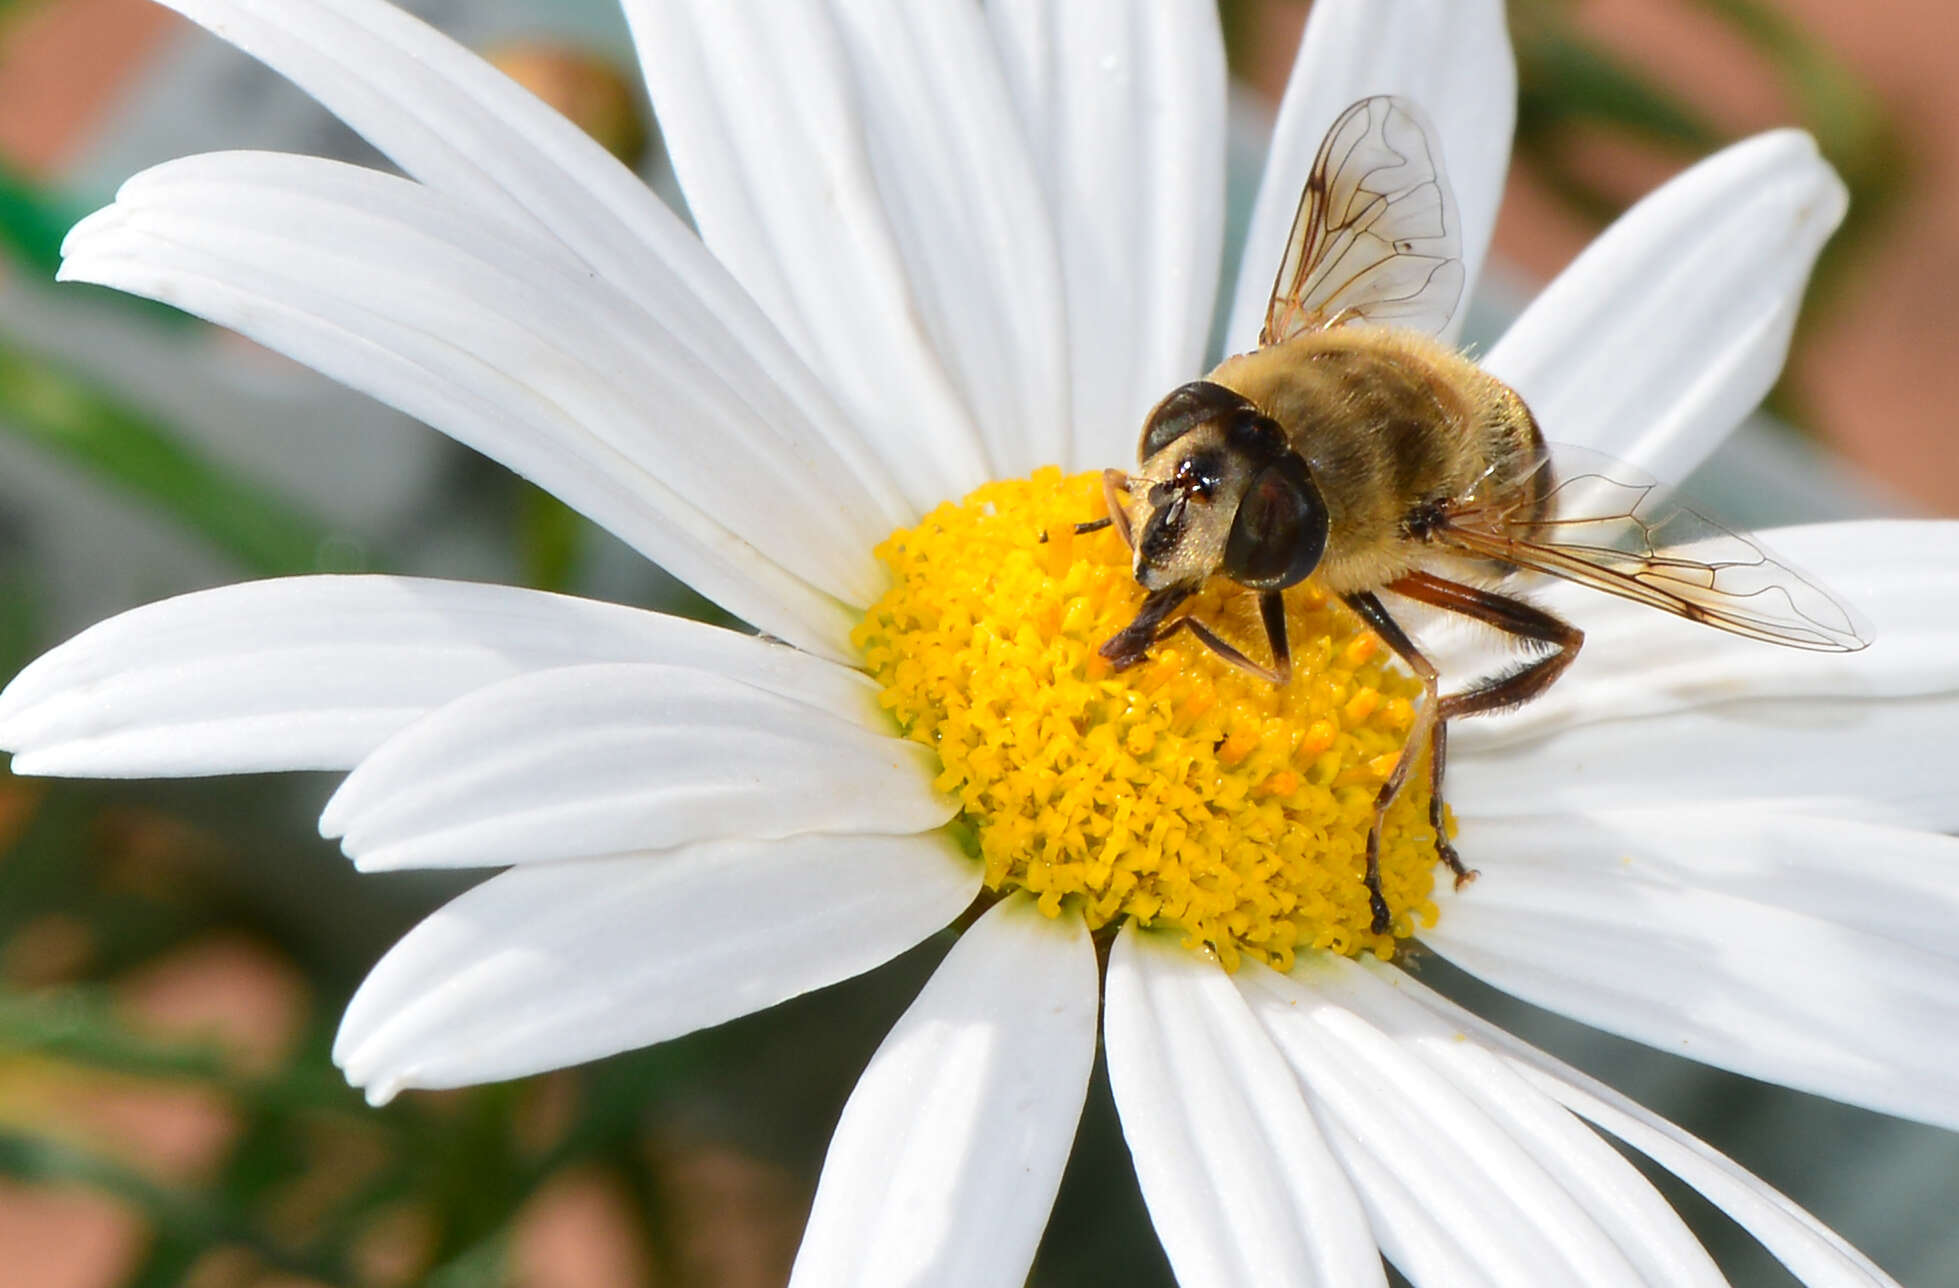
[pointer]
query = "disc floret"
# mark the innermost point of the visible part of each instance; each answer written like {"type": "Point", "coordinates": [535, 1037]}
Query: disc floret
{"type": "Point", "coordinates": [1183, 792]}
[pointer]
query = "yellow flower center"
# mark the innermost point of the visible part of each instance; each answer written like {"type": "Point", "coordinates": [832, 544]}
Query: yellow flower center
{"type": "Point", "coordinates": [1182, 792]}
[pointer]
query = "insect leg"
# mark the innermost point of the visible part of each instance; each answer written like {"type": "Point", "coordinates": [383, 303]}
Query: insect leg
{"type": "Point", "coordinates": [1429, 727]}
{"type": "Point", "coordinates": [1131, 644]}
{"type": "Point", "coordinates": [1512, 617]}
{"type": "Point", "coordinates": [1271, 607]}
{"type": "Point", "coordinates": [1272, 611]}
{"type": "Point", "coordinates": [1438, 756]}
{"type": "Point", "coordinates": [1114, 484]}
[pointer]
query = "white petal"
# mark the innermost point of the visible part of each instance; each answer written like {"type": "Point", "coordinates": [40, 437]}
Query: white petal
{"type": "Point", "coordinates": [541, 367]}
{"type": "Point", "coordinates": [457, 124]}
{"type": "Point", "coordinates": [1737, 937]}
{"type": "Point", "coordinates": [1488, 1196]}
{"type": "Point", "coordinates": [965, 206]}
{"type": "Point", "coordinates": [315, 672]}
{"type": "Point", "coordinates": [858, 168]}
{"type": "Point", "coordinates": [593, 760]}
{"type": "Point", "coordinates": [439, 112]}
{"type": "Point", "coordinates": [1451, 56]}
{"type": "Point", "coordinates": [1902, 576]}
{"type": "Point", "coordinates": [1123, 107]}
{"type": "Point", "coordinates": [948, 1156]}
{"type": "Point", "coordinates": [1411, 1235]}
{"type": "Point", "coordinates": [1884, 761]}
{"type": "Point", "coordinates": [1658, 710]}
{"type": "Point", "coordinates": [1815, 1254]}
{"type": "Point", "coordinates": [1671, 326]}
{"type": "Point", "coordinates": [1239, 1182]}
{"type": "Point", "coordinates": [761, 470]}
{"type": "Point", "coordinates": [548, 966]}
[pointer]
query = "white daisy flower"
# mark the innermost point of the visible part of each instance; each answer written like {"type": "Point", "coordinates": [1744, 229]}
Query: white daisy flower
{"type": "Point", "coordinates": [941, 245]}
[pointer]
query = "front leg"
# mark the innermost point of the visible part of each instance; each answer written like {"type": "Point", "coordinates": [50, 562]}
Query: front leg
{"type": "Point", "coordinates": [1114, 484]}
{"type": "Point", "coordinates": [1272, 608]}
{"type": "Point", "coordinates": [1131, 644]}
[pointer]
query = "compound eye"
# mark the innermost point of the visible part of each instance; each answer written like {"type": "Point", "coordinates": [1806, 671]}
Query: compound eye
{"type": "Point", "coordinates": [1258, 437]}
{"type": "Point", "coordinates": [1183, 409]}
{"type": "Point", "coordinates": [1280, 530]}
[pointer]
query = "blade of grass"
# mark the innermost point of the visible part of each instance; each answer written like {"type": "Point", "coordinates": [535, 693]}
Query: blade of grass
{"type": "Point", "coordinates": [20, 600]}
{"type": "Point", "coordinates": [483, 1266]}
{"type": "Point", "coordinates": [179, 1216]}
{"type": "Point", "coordinates": [550, 537]}
{"type": "Point", "coordinates": [1566, 80]}
{"type": "Point", "coordinates": [78, 422]}
{"type": "Point", "coordinates": [33, 222]}
{"type": "Point", "coordinates": [81, 1028]}
{"type": "Point", "coordinates": [1849, 120]}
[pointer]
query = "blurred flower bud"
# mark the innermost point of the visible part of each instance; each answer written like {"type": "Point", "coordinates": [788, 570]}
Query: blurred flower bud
{"type": "Point", "coordinates": [586, 87]}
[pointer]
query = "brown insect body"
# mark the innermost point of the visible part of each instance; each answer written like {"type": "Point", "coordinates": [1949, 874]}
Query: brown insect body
{"type": "Point", "coordinates": [1385, 418]}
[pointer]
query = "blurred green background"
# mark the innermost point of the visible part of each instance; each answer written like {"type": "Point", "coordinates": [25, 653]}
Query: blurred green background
{"type": "Point", "coordinates": [174, 956]}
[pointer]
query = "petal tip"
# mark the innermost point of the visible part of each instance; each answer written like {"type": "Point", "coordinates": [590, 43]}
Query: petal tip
{"type": "Point", "coordinates": [335, 815]}
{"type": "Point", "coordinates": [383, 859]}
{"type": "Point", "coordinates": [34, 762]}
{"type": "Point", "coordinates": [377, 1088]}
{"type": "Point", "coordinates": [90, 228]}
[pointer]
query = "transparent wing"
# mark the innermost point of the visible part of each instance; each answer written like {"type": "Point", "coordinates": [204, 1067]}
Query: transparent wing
{"type": "Point", "coordinates": [1376, 238]}
{"type": "Point", "coordinates": [1603, 525]}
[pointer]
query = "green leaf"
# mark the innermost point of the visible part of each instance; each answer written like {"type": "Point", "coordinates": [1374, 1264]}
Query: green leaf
{"type": "Point", "coordinates": [13, 10]}
{"type": "Point", "coordinates": [180, 1218]}
{"type": "Point", "coordinates": [551, 539]}
{"type": "Point", "coordinates": [20, 600]}
{"type": "Point", "coordinates": [81, 1026]}
{"type": "Point", "coordinates": [32, 222]}
{"type": "Point", "coordinates": [1853, 129]}
{"type": "Point", "coordinates": [482, 1266]}
{"type": "Point", "coordinates": [1566, 80]}
{"type": "Point", "coordinates": [1832, 97]}
{"type": "Point", "coordinates": [80, 423]}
